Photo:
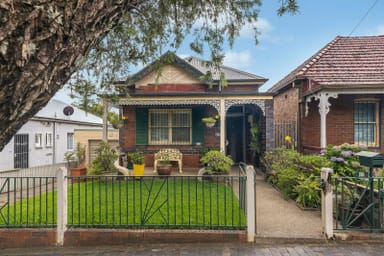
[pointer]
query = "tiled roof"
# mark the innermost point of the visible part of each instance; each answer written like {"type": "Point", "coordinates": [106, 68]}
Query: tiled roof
{"type": "Point", "coordinates": [344, 62]}
{"type": "Point", "coordinates": [230, 73]}
{"type": "Point", "coordinates": [195, 67]}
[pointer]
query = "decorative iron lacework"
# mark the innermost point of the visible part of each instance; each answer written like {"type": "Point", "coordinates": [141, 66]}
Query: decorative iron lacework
{"type": "Point", "coordinates": [232, 102]}
{"type": "Point", "coordinates": [214, 103]}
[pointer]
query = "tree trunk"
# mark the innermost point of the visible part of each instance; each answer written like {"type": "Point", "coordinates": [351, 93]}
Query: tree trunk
{"type": "Point", "coordinates": [40, 44]}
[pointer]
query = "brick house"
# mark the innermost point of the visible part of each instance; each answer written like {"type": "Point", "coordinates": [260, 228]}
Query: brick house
{"type": "Point", "coordinates": [168, 100]}
{"type": "Point", "coordinates": [336, 95]}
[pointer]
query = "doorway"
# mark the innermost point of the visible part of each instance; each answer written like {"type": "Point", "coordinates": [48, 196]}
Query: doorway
{"type": "Point", "coordinates": [21, 149]}
{"type": "Point", "coordinates": [235, 133]}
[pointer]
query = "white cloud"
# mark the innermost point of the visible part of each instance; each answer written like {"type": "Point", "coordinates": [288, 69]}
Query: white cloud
{"type": "Point", "coordinates": [263, 27]}
{"type": "Point", "coordinates": [240, 60]}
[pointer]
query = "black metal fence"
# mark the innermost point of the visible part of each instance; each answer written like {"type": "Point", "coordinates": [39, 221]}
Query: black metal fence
{"type": "Point", "coordinates": [208, 202]}
{"type": "Point", "coordinates": [358, 203]}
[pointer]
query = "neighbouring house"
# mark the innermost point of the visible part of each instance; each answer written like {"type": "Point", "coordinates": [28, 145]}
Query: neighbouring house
{"type": "Point", "coordinates": [334, 97]}
{"type": "Point", "coordinates": [45, 138]}
{"type": "Point", "coordinates": [91, 138]}
{"type": "Point", "coordinates": [168, 100]}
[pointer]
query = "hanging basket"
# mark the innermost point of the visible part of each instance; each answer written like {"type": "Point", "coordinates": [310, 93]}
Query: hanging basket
{"type": "Point", "coordinates": [210, 125]}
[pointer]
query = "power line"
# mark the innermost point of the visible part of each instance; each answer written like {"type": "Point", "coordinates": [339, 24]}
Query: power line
{"type": "Point", "coordinates": [363, 18]}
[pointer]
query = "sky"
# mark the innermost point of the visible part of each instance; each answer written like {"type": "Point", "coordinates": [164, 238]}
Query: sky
{"type": "Point", "coordinates": [287, 41]}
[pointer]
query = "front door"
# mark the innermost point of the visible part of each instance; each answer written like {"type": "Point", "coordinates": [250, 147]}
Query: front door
{"type": "Point", "coordinates": [21, 151]}
{"type": "Point", "coordinates": [235, 138]}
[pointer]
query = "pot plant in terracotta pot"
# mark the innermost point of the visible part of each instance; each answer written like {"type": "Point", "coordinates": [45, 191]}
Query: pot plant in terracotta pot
{"type": "Point", "coordinates": [137, 159]}
{"type": "Point", "coordinates": [75, 160]}
{"type": "Point", "coordinates": [164, 165]}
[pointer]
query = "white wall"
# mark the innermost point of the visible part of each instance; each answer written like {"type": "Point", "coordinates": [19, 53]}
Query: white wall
{"type": "Point", "coordinates": [44, 155]}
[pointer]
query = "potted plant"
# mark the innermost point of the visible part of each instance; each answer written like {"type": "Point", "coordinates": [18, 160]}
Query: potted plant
{"type": "Point", "coordinates": [209, 121]}
{"type": "Point", "coordinates": [216, 162]}
{"type": "Point", "coordinates": [75, 160]}
{"type": "Point", "coordinates": [115, 121]}
{"type": "Point", "coordinates": [137, 159]}
{"type": "Point", "coordinates": [164, 165]}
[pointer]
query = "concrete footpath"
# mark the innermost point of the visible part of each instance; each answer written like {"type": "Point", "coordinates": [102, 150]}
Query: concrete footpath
{"type": "Point", "coordinates": [280, 218]}
{"type": "Point", "coordinates": [225, 249]}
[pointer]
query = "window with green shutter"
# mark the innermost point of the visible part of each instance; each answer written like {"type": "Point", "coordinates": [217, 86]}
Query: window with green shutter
{"type": "Point", "coordinates": [170, 127]}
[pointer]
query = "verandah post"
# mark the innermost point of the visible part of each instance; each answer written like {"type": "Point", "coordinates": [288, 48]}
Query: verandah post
{"type": "Point", "coordinates": [62, 204]}
{"type": "Point", "coordinates": [250, 195]}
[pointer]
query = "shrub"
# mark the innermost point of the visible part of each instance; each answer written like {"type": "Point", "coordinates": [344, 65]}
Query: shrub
{"type": "Point", "coordinates": [343, 158]}
{"type": "Point", "coordinates": [105, 157]}
{"type": "Point", "coordinates": [216, 162]}
{"type": "Point", "coordinates": [308, 193]}
{"type": "Point", "coordinates": [287, 179]}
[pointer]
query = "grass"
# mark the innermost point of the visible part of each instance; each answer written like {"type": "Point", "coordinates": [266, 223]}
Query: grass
{"type": "Point", "coordinates": [126, 203]}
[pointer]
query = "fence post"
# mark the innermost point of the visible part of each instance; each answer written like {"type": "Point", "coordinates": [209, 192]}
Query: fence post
{"type": "Point", "coordinates": [62, 204]}
{"type": "Point", "coordinates": [326, 202]}
{"type": "Point", "coordinates": [250, 195]}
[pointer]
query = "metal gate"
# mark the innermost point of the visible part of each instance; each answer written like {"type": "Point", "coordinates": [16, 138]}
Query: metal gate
{"type": "Point", "coordinates": [358, 203]}
{"type": "Point", "coordinates": [21, 151]}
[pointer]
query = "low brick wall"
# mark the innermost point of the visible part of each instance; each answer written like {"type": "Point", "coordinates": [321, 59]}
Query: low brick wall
{"type": "Point", "coordinates": [18, 238]}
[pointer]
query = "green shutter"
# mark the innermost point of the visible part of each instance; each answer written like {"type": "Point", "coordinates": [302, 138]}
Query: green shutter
{"type": "Point", "coordinates": [141, 126]}
{"type": "Point", "coordinates": [197, 126]}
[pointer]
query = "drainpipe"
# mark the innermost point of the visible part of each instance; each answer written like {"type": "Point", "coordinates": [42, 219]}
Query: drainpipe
{"type": "Point", "coordinates": [54, 142]}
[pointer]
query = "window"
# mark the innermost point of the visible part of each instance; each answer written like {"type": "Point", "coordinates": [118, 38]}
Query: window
{"type": "Point", "coordinates": [70, 141]}
{"type": "Point", "coordinates": [38, 140]}
{"type": "Point", "coordinates": [366, 122]}
{"type": "Point", "coordinates": [170, 126]}
{"type": "Point", "coordinates": [48, 140]}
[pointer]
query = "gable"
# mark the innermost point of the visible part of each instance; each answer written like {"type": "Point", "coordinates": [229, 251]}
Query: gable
{"type": "Point", "coordinates": [169, 74]}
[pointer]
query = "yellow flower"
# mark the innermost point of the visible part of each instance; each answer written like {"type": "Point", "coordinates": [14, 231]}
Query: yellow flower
{"type": "Point", "coordinates": [287, 138]}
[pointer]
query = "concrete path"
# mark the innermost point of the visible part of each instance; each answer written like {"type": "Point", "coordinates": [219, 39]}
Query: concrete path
{"type": "Point", "coordinates": [277, 217]}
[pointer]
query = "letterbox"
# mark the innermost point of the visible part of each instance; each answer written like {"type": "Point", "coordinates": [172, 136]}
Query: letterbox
{"type": "Point", "coordinates": [371, 159]}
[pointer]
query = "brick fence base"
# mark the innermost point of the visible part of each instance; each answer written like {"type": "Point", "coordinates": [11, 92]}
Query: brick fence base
{"type": "Point", "coordinates": [17, 238]}
{"type": "Point", "coordinates": [10, 238]}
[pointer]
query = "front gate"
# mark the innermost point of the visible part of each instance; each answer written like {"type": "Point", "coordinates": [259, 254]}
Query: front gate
{"type": "Point", "coordinates": [358, 203]}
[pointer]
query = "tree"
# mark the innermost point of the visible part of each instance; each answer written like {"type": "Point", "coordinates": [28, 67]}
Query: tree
{"type": "Point", "coordinates": [44, 42]}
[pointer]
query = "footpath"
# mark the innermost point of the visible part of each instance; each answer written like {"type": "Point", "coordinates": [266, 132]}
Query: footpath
{"type": "Point", "coordinates": [278, 218]}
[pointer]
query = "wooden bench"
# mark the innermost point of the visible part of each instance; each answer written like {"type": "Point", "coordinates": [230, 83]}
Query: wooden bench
{"type": "Point", "coordinates": [174, 155]}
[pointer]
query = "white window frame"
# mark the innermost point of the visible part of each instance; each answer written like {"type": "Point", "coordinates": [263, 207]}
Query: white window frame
{"type": "Point", "coordinates": [48, 140]}
{"type": "Point", "coordinates": [170, 128]}
{"type": "Point", "coordinates": [38, 140]}
{"type": "Point", "coordinates": [70, 141]}
{"type": "Point", "coordinates": [376, 123]}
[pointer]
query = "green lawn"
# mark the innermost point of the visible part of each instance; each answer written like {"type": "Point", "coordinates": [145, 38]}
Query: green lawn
{"type": "Point", "coordinates": [136, 203]}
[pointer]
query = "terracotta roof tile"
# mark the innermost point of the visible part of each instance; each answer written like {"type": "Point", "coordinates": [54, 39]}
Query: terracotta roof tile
{"type": "Point", "coordinates": [342, 62]}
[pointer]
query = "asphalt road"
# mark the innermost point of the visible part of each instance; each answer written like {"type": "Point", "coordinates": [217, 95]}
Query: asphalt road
{"type": "Point", "coordinates": [350, 249]}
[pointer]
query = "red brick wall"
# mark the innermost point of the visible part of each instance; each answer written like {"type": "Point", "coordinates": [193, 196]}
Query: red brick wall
{"type": "Point", "coordinates": [128, 132]}
{"type": "Point", "coordinates": [286, 105]}
{"type": "Point", "coordinates": [310, 127]}
{"type": "Point", "coordinates": [26, 238]}
{"type": "Point", "coordinates": [172, 88]}
{"type": "Point", "coordinates": [339, 122]}
{"type": "Point", "coordinates": [241, 88]}
{"type": "Point", "coordinates": [18, 238]}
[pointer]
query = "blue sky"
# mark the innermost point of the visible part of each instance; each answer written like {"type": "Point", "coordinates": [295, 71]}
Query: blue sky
{"type": "Point", "coordinates": [286, 42]}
